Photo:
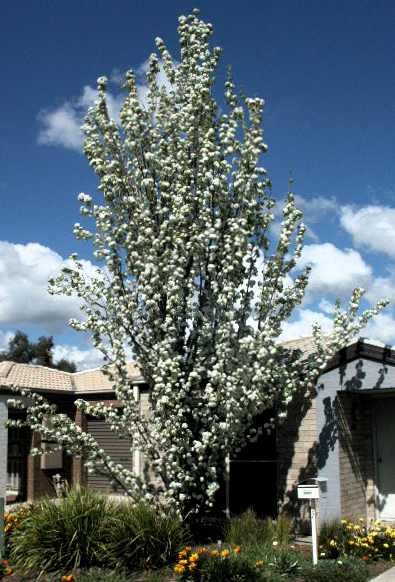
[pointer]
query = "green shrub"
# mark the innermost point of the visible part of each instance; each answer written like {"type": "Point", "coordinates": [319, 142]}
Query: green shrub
{"type": "Point", "coordinates": [247, 528]}
{"type": "Point", "coordinates": [345, 570]}
{"type": "Point", "coordinates": [144, 537]}
{"type": "Point", "coordinates": [216, 568]}
{"type": "Point", "coordinates": [64, 534]}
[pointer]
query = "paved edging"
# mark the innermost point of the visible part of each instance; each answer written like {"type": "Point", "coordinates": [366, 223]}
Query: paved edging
{"type": "Point", "coordinates": [387, 576]}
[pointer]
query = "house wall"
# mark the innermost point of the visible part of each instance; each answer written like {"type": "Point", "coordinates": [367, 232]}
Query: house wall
{"type": "Point", "coordinates": [3, 443]}
{"type": "Point", "coordinates": [297, 455]}
{"type": "Point", "coordinates": [356, 456]}
{"type": "Point", "coordinates": [345, 435]}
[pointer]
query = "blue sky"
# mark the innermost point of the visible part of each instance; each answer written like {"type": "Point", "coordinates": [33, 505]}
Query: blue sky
{"type": "Point", "coordinates": [326, 70]}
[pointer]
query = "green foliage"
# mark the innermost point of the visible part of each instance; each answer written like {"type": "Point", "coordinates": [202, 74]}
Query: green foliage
{"type": "Point", "coordinates": [145, 537]}
{"type": "Point", "coordinates": [22, 351]}
{"type": "Point", "coordinates": [248, 528]}
{"type": "Point", "coordinates": [345, 570]}
{"type": "Point", "coordinates": [370, 542]}
{"type": "Point", "coordinates": [65, 533]}
{"type": "Point", "coordinates": [86, 529]}
{"type": "Point", "coordinates": [218, 568]}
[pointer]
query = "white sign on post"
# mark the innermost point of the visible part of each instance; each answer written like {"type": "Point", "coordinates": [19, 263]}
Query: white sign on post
{"type": "Point", "coordinates": [311, 493]}
{"type": "Point", "coordinates": [308, 492]}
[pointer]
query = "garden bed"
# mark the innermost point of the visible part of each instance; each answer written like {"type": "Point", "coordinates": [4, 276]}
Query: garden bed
{"type": "Point", "coordinates": [85, 537]}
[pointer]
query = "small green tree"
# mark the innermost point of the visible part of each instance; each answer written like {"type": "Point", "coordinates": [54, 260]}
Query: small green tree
{"type": "Point", "coordinates": [22, 351]}
{"type": "Point", "coordinates": [190, 280]}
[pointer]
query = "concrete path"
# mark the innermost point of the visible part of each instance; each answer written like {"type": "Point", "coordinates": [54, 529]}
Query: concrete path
{"type": "Point", "coordinates": [387, 576]}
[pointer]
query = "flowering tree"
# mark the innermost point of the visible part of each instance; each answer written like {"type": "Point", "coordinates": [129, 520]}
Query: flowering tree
{"type": "Point", "coordinates": [189, 280]}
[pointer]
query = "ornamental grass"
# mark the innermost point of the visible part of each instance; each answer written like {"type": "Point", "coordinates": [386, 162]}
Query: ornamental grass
{"type": "Point", "coordinates": [66, 533]}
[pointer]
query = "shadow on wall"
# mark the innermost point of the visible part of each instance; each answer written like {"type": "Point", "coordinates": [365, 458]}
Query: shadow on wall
{"type": "Point", "coordinates": [295, 441]}
{"type": "Point", "coordinates": [347, 419]}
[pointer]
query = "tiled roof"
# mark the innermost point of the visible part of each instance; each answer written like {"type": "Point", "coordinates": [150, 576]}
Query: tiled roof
{"type": "Point", "coordinates": [41, 378]}
{"type": "Point", "coordinates": [37, 377]}
{"type": "Point", "coordinates": [304, 343]}
{"type": "Point", "coordinates": [95, 380]}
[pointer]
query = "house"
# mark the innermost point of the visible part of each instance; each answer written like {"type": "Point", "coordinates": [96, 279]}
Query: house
{"type": "Point", "coordinates": [342, 433]}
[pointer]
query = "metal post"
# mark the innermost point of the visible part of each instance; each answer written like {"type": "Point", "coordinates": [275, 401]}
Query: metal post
{"type": "Point", "coordinates": [314, 530]}
{"type": "Point", "coordinates": [2, 539]}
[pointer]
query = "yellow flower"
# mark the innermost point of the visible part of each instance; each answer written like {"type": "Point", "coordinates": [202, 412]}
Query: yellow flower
{"type": "Point", "coordinates": [192, 566]}
{"type": "Point", "coordinates": [361, 520]}
{"type": "Point", "coordinates": [225, 553]}
{"type": "Point", "coordinates": [179, 569]}
{"type": "Point", "coordinates": [214, 553]}
{"type": "Point", "coordinates": [183, 562]}
{"type": "Point", "coordinates": [386, 545]}
{"type": "Point", "coordinates": [343, 522]}
{"type": "Point", "coordinates": [332, 543]}
{"type": "Point", "coordinates": [356, 527]}
{"type": "Point", "coordinates": [237, 549]}
{"type": "Point", "coordinates": [351, 542]}
{"type": "Point", "coordinates": [194, 558]}
{"type": "Point", "coordinates": [8, 571]}
{"type": "Point", "coordinates": [188, 549]}
{"type": "Point", "coordinates": [201, 550]}
{"type": "Point", "coordinates": [182, 554]}
{"type": "Point", "coordinates": [259, 564]}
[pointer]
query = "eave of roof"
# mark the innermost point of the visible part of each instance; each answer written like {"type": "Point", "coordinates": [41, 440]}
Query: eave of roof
{"type": "Point", "coordinates": [96, 382]}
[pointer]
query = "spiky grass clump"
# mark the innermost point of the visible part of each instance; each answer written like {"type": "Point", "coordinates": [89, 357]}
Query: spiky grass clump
{"type": "Point", "coordinates": [64, 533]}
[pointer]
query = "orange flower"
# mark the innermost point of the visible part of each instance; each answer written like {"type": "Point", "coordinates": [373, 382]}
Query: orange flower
{"type": "Point", "coordinates": [4, 562]}
{"type": "Point", "coordinates": [237, 549]}
{"type": "Point", "coordinates": [259, 564]}
{"type": "Point", "coordinates": [201, 550]}
{"type": "Point", "coordinates": [8, 571]}
{"type": "Point", "coordinates": [188, 549]}
{"type": "Point", "coordinates": [214, 553]}
{"type": "Point", "coordinates": [365, 558]}
{"type": "Point", "coordinates": [182, 554]}
{"type": "Point", "coordinates": [225, 553]}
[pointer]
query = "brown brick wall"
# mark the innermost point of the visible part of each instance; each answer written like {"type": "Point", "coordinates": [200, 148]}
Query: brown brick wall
{"type": "Point", "coordinates": [297, 455]}
{"type": "Point", "coordinates": [356, 456]}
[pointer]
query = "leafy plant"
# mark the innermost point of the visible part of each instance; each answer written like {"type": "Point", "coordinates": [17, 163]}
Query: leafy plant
{"type": "Point", "coordinates": [345, 570]}
{"type": "Point", "coordinates": [141, 536]}
{"type": "Point", "coordinates": [64, 533]}
{"type": "Point", "coordinates": [247, 528]}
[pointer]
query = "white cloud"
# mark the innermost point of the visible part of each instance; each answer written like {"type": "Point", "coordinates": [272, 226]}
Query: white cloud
{"type": "Point", "coordinates": [334, 271]}
{"type": "Point", "coordinates": [314, 210]}
{"type": "Point", "coordinates": [381, 328]}
{"type": "Point", "coordinates": [24, 300]}
{"type": "Point", "coordinates": [5, 338]}
{"type": "Point", "coordinates": [62, 126]}
{"type": "Point", "coordinates": [303, 325]}
{"type": "Point", "coordinates": [83, 359]}
{"type": "Point", "coordinates": [372, 227]}
{"type": "Point", "coordinates": [382, 288]}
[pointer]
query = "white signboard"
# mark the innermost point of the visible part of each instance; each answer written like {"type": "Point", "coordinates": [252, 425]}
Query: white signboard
{"type": "Point", "coordinates": [308, 492]}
